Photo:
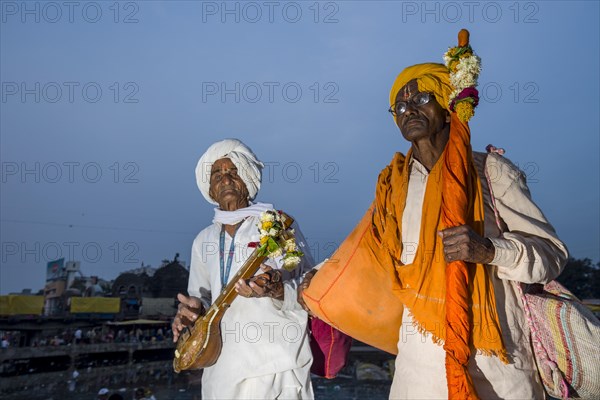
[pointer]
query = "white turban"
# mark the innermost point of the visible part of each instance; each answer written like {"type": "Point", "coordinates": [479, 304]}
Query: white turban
{"type": "Point", "coordinates": [248, 166]}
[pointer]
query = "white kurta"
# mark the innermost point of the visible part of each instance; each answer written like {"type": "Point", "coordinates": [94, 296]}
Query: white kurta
{"type": "Point", "coordinates": [266, 353]}
{"type": "Point", "coordinates": [531, 252]}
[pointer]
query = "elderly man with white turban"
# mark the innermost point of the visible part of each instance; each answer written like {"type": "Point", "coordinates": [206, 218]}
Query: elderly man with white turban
{"type": "Point", "coordinates": [266, 353]}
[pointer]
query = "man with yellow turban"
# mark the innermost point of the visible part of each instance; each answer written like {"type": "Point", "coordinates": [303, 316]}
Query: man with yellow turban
{"type": "Point", "coordinates": [451, 228]}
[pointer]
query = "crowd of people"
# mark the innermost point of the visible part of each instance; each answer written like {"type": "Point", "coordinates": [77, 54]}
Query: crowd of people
{"type": "Point", "coordinates": [95, 335]}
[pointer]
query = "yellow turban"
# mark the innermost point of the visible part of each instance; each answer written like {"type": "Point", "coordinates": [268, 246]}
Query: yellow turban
{"type": "Point", "coordinates": [431, 77]}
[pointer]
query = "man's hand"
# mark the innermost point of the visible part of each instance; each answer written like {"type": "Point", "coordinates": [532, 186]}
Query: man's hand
{"type": "Point", "coordinates": [463, 243]}
{"type": "Point", "coordinates": [267, 284]}
{"type": "Point", "coordinates": [303, 286]}
{"type": "Point", "coordinates": [188, 311]}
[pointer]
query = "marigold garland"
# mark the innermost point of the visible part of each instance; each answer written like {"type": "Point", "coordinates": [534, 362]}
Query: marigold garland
{"type": "Point", "coordinates": [464, 66]}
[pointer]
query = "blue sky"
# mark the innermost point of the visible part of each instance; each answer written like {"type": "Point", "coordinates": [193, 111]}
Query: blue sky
{"type": "Point", "coordinates": [106, 108]}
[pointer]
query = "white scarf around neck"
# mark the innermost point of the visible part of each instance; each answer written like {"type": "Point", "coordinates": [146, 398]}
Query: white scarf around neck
{"type": "Point", "coordinates": [233, 217]}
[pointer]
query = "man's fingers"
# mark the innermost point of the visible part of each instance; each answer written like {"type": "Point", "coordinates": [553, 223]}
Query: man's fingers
{"type": "Point", "coordinates": [181, 297]}
{"type": "Point", "coordinates": [451, 256]}
{"type": "Point", "coordinates": [189, 314]}
{"type": "Point", "coordinates": [265, 267]}
{"type": "Point", "coordinates": [188, 311]}
{"type": "Point", "coordinates": [455, 238]}
{"type": "Point", "coordinates": [457, 251]}
{"type": "Point", "coordinates": [257, 289]}
{"type": "Point", "coordinates": [304, 306]}
{"type": "Point", "coordinates": [448, 232]}
{"type": "Point", "coordinates": [250, 289]}
{"type": "Point", "coordinates": [455, 230]}
{"type": "Point", "coordinates": [189, 301]}
{"type": "Point", "coordinates": [471, 251]}
{"type": "Point", "coordinates": [302, 287]}
{"type": "Point", "coordinates": [452, 248]}
{"type": "Point", "coordinates": [176, 327]}
{"type": "Point", "coordinates": [243, 289]}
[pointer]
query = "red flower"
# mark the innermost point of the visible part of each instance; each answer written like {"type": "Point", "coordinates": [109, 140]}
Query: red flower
{"type": "Point", "coordinates": [469, 92]}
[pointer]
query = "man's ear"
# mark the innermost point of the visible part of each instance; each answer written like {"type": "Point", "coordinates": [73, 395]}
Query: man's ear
{"type": "Point", "coordinates": [448, 119]}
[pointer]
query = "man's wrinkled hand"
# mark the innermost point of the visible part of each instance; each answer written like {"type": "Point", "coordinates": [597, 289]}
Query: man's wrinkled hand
{"type": "Point", "coordinates": [188, 311]}
{"type": "Point", "coordinates": [267, 284]}
{"type": "Point", "coordinates": [463, 243]}
{"type": "Point", "coordinates": [302, 287]}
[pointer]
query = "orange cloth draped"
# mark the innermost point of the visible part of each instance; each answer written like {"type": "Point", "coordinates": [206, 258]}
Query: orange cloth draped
{"type": "Point", "coordinates": [459, 187]}
{"type": "Point", "coordinates": [454, 302]}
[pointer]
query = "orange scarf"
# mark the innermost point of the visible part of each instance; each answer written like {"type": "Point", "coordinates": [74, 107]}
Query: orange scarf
{"type": "Point", "coordinates": [424, 284]}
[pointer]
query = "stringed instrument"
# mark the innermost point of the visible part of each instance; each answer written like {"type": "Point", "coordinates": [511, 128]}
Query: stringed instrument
{"type": "Point", "coordinates": [199, 345]}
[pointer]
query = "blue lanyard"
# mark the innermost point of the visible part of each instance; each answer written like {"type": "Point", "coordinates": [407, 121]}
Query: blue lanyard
{"type": "Point", "coordinates": [225, 272]}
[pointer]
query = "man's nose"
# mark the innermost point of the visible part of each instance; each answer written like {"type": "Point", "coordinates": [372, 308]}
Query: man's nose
{"type": "Point", "coordinates": [410, 108]}
{"type": "Point", "coordinates": [226, 178]}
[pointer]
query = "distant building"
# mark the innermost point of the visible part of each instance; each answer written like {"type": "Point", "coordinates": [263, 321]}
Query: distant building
{"type": "Point", "coordinates": [171, 278]}
{"type": "Point", "coordinates": [147, 282]}
{"type": "Point", "coordinates": [66, 287]}
{"type": "Point", "coordinates": [131, 287]}
{"type": "Point", "coordinates": [64, 281]}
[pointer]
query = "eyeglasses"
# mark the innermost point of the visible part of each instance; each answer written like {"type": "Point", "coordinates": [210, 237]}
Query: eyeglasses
{"type": "Point", "coordinates": [419, 99]}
